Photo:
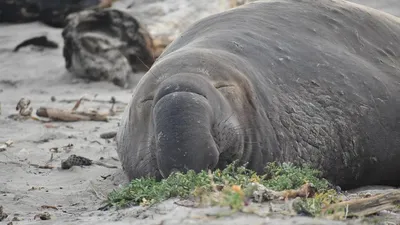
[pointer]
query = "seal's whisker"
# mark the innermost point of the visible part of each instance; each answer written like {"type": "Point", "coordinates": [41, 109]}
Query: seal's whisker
{"type": "Point", "coordinates": [251, 128]}
{"type": "Point", "coordinates": [254, 142]}
{"type": "Point", "coordinates": [142, 62]}
{"type": "Point", "coordinates": [224, 121]}
{"type": "Point", "coordinates": [233, 113]}
{"type": "Point", "coordinates": [145, 149]}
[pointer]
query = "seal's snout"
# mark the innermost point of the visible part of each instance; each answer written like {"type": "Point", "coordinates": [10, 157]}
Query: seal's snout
{"type": "Point", "coordinates": [182, 124]}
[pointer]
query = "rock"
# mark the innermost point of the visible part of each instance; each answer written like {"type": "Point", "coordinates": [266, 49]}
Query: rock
{"type": "Point", "coordinates": [106, 44]}
{"type": "Point", "coordinates": [52, 13]}
{"type": "Point", "coordinates": [3, 215]}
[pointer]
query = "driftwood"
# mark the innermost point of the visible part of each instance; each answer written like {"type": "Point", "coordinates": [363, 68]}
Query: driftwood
{"type": "Point", "coordinates": [70, 115]}
{"type": "Point", "coordinates": [65, 115]}
{"type": "Point", "coordinates": [73, 115]}
{"type": "Point", "coordinates": [261, 193]}
{"type": "Point", "coordinates": [112, 100]}
{"type": "Point", "coordinates": [363, 207]}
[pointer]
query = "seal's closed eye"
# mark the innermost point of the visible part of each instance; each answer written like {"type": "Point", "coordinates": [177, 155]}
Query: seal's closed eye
{"type": "Point", "coordinates": [150, 98]}
{"type": "Point", "coordinates": [222, 85]}
{"type": "Point", "coordinates": [218, 85]}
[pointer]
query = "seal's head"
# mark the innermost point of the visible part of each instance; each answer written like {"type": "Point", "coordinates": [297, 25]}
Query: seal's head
{"type": "Point", "coordinates": [193, 124]}
{"type": "Point", "coordinates": [181, 122]}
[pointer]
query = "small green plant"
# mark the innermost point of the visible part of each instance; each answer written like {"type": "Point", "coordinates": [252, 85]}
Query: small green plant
{"type": "Point", "coordinates": [287, 176]}
{"type": "Point", "coordinates": [201, 185]}
{"type": "Point", "coordinates": [319, 201]}
{"type": "Point", "coordinates": [151, 191]}
{"type": "Point", "coordinates": [233, 196]}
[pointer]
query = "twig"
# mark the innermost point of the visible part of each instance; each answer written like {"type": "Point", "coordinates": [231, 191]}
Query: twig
{"type": "Point", "coordinates": [94, 100]}
{"type": "Point", "coordinates": [51, 159]}
{"type": "Point", "coordinates": [105, 165]}
{"type": "Point", "coordinates": [261, 193]}
{"type": "Point", "coordinates": [30, 164]}
{"type": "Point", "coordinates": [112, 111]}
{"type": "Point", "coordinates": [365, 206]}
{"type": "Point", "coordinates": [116, 159]}
{"type": "Point", "coordinates": [77, 104]}
{"type": "Point", "coordinates": [70, 116]}
{"type": "Point", "coordinates": [102, 197]}
{"type": "Point", "coordinates": [11, 162]}
{"type": "Point", "coordinates": [41, 167]}
{"type": "Point", "coordinates": [49, 207]}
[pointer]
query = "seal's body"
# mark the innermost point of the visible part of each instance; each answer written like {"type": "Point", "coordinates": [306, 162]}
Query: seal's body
{"type": "Point", "coordinates": [302, 81]}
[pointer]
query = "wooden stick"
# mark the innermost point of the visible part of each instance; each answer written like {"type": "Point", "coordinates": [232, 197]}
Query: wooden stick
{"type": "Point", "coordinates": [77, 104]}
{"type": "Point", "coordinates": [70, 116]}
{"type": "Point", "coordinates": [94, 100]}
{"type": "Point", "coordinates": [363, 207]}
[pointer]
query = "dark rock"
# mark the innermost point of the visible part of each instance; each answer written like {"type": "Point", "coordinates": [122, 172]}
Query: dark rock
{"type": "Point", "coordinates": [50, 12]}
{"type": "Point", "coordinates": [106, 44]}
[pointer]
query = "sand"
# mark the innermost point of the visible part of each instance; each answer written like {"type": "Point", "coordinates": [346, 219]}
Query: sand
{"type": "Point", "coordinates": [78, 192]}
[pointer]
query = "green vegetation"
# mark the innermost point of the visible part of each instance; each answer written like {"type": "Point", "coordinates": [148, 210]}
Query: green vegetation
{"type": "Point", "coordinates": [324, 198]}
{"type": "Point", "coordinates": [227, 187]}
{"type": "Point", "coordinates": [240, 189]}
{"type": "Point", "coordinates": [287, 176]}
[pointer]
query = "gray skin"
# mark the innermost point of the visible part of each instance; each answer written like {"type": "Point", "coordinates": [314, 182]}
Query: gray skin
{"type": "Point", "coordinates": [301, 81]}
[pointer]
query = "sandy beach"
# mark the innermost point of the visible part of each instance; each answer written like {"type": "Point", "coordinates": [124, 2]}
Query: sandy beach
{"type": "Point", "coordinates": [74, 195]}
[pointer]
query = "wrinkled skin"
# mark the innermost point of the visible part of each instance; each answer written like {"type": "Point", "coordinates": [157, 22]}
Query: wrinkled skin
{"type": "Point", "coordinates": [107, 45]}
{"type": "Point", "coordinates": [50, 12]}
{"type": "Point", "coordinates": [302, 81]}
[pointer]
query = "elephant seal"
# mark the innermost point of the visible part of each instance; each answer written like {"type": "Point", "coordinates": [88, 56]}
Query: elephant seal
{"type": "Point", "coordinates": [301, 81]}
